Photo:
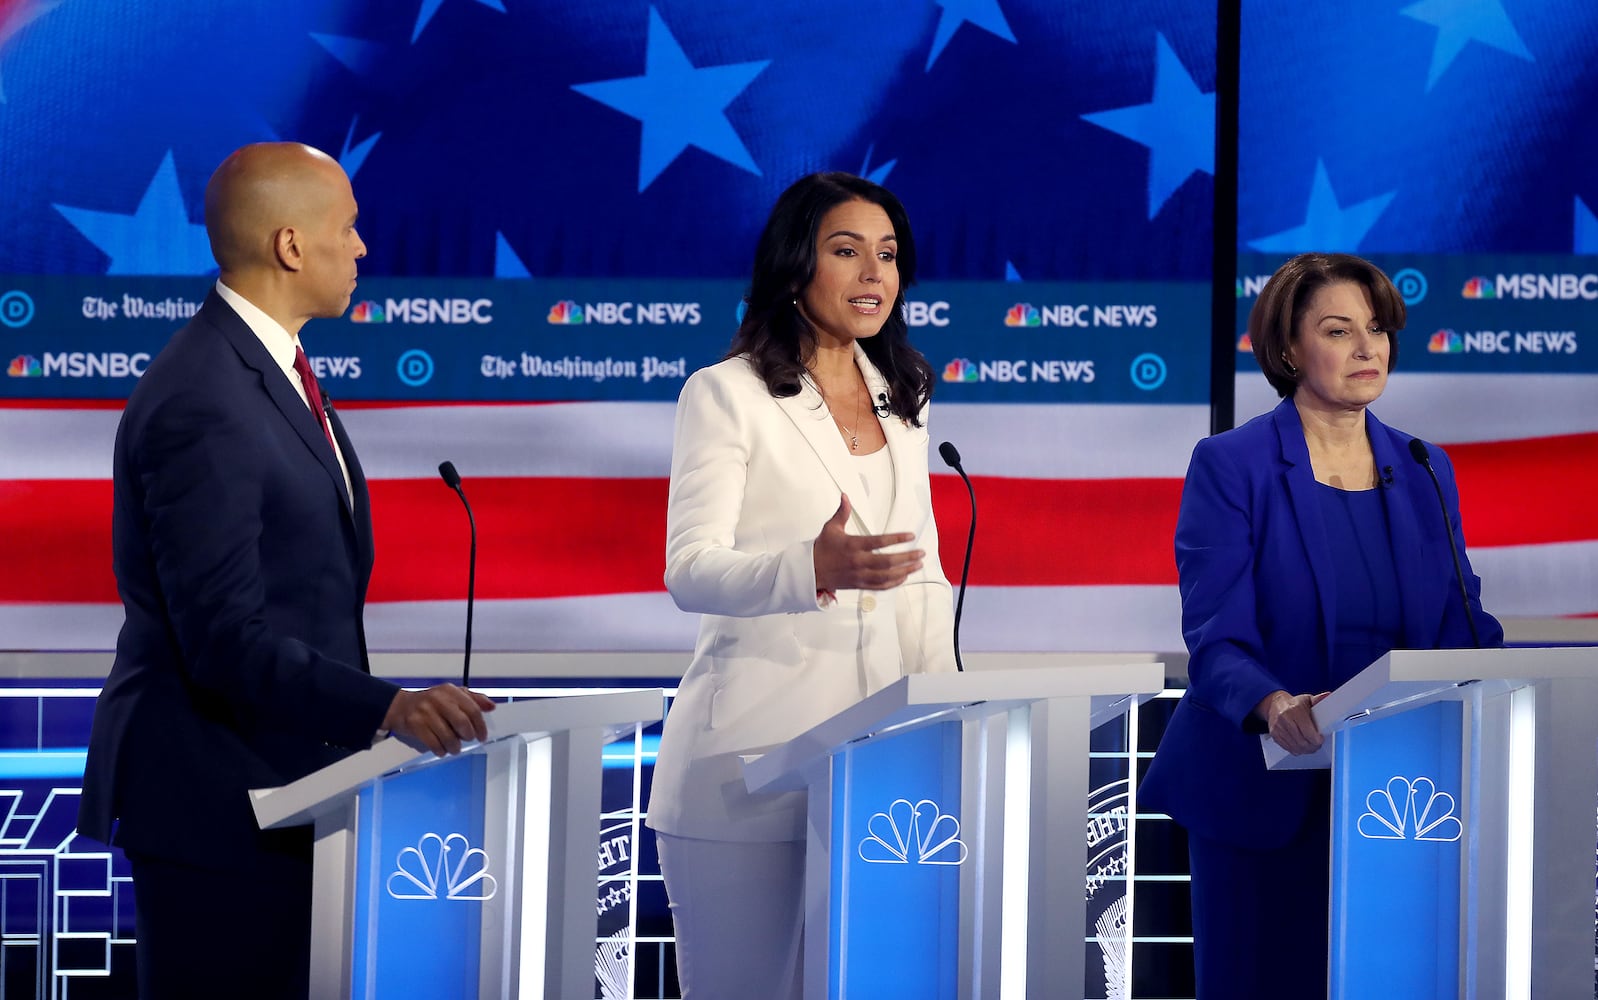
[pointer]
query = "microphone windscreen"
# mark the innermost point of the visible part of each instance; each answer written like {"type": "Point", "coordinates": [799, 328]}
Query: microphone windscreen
{"type": "Point", "coordinates": [1417, 448]}
{"type": "Point", "coordinates": [452, 479]}
{"type": "Point", "coordinates": [951, 454]}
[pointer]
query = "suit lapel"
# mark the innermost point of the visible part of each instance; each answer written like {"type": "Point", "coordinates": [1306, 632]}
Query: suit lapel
{"type": "Point", "coordinates": [1298, 479]}
{"type": "Point", "coordinates": [1402, 498]}
{"type": "Point", "coordinates": [361, 509]}
{"type": "Point", "coordinates": [893, 430]}
{"type": "Point", "coordinates": [288, 402]}
{"type": "Point", "coordinates": [809, 414]}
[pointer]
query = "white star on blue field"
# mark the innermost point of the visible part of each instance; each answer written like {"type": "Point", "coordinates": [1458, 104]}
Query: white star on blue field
{"type": "Point", "coordinates": [1460, 22]}
{"type": "Point", "coordinates": [679, 105]}
{"type": "Point", "coordinates": [156, 239]}
{"type": "Point", "coordinates": [1585, 226]}
{"type": "Point", "coordinates": [1177, 126]}
{"type": "Point", "coordinates": [985, 14]}
{"type": "Point", "coordinates": [1327, 227]}
{"type": "Point", "coordinates": [430, 7]}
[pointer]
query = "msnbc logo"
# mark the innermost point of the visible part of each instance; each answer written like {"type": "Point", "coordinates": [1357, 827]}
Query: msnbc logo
{"type": "Point", "coordinates": [1022, 314]}
{"type": "Point", "coordinates": [368, 312]}
{"type": "Point", "coordinates": [1446, 342]}
{"type": "Point", "coordinates": [1480, 288]}
{"type": "Point", "coordinates": [1245, 344]}
{"type": "Point", "coordinates": [565, 313]}
{"type": "Point", "coordinates": [960, 370]}
{"type": "Point", "coordinates": [24, 366]}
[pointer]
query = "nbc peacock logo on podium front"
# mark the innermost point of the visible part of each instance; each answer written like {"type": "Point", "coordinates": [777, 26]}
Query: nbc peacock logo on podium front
{"type": "Point", "coordinates": [912, 833]}
{"type": "Point", "coordinates": [441, 867]}
{"type": "Point", "coordinates": [1409, 810]}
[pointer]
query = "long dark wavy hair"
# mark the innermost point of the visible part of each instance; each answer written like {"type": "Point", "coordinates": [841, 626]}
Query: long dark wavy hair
{"type": "Point", "coordinates": [777, 337]}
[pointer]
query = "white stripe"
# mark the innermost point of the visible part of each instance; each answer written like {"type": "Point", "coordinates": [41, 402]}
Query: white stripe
{"type": "Point", "coordinates": [1044, 441]}
{"type": "Point", "coordinates": [1464, 409]}
{"type": "Point", "coordinates": [57, 444]}
{"type": "Point", "coordinates": [998, 619]}
{"type": "Point", "coordinates": [633, 440]}
{"type": "Point", "coordinates": [1053, 441]}
{"type": "Point", "coordinates": [603, 440]}
{"type": "Point", "coordinates": [1535, 581]}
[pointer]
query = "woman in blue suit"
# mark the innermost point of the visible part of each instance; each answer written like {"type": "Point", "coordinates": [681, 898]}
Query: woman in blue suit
{"type": "Point", "coordinates": [1309, 543]}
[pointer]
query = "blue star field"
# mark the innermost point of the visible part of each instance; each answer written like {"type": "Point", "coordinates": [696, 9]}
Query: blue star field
{"type": "Point", "coordinates": [1439, 126]}
{"type": "Point", "coordinates": [622, 137]}
{"type": "Point", "coordinates": [617, 138]}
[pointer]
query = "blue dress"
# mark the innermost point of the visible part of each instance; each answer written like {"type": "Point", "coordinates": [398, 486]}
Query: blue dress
{"type": "Point", "coordinates": [1260, 916]}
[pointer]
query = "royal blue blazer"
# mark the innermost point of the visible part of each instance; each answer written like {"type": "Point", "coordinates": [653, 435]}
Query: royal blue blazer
{"type": "Point", "coordinates": [242, 561]}
{"type": "Point", "coordinates": [1259, 612]}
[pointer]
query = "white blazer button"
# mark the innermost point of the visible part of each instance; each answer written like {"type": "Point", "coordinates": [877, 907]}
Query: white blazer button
{"type": "Point", "coordinates": [868, 603]}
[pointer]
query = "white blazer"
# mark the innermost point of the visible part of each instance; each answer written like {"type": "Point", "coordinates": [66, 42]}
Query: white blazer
{"type": "Point", "coordinates": [753, 479]}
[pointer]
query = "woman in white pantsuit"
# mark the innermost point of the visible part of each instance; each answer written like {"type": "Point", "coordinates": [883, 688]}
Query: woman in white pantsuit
{"type": "Point", "coordinates": [800, 526]}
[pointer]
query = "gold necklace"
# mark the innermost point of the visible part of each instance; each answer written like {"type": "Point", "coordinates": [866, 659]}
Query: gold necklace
{"type": "Point", "coordinates": [854, 439]}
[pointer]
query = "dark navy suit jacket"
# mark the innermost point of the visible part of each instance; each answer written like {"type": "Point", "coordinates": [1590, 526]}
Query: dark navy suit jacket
{"type": "Point", "coordinates": [1259, 612]}
{"type": "Point", "coordinates": [242, 566]}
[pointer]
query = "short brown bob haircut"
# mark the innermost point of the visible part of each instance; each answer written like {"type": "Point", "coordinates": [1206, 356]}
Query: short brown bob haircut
{"type": "Point", "coordinates": [1273, 323]}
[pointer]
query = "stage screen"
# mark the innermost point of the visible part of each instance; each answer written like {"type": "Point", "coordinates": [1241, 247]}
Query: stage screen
{"type": "Point", "coordinates": [560, 203]}
{"type": "Point", "coordinates": [1452, 145]}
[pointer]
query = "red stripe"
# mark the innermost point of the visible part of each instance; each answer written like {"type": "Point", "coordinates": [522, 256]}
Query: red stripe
{"type": "Point", "coordinates": [535, 538]}
{"type": "Point", "coordinates": [1060, 532]}
{"type": "Point", "coordinates": [1530, 492]}
{"type": "Point", "coordinates": [562, 537]}
{"type": "Point", "coordinates": [62, 404]}
{"type": "Point", "coordinates": [542, 537]}
{"type": "Point", "coordinates": [57, 537]}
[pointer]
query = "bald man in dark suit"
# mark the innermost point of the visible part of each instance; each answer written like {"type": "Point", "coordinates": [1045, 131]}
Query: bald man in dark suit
{"type": "Point", "coordinates": [242, 545]}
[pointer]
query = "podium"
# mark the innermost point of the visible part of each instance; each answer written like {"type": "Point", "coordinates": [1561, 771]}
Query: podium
{"type": "Point", "coordinates": [945, 855]}
{"type": "Point", "coordinates": [471, 875]}
{"type": "Point", "coordinates": [1464, 789]}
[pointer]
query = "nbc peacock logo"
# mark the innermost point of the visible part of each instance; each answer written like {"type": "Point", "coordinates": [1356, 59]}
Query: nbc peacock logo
{"type": "Point", "coordinates": [1022, 314]}
{"type": "Point", "coordinates": [565, 313]}
{"type": "Point", "coordinates": [1245, 344]}
{"type": "Point", "coordinates": [1480, 288]}
{"type": "Point", "coordinates": [960, 370]}
{"type": "Point", "coordinates": [24, 366]}
{"type": "Point", "coordinates": [441, 867]}
{"type": "Point", "coordinates": [912, 833]}
{"type": "Point", "coordinates": [368, 312]}
{"type": "Point", "coordinates": [1445, 341]}
{"type": "Point", "coordinates": [1410, 810]}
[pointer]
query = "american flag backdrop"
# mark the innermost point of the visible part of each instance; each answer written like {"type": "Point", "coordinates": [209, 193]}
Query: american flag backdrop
{"type": "Point", "coordinates": [554, 160]}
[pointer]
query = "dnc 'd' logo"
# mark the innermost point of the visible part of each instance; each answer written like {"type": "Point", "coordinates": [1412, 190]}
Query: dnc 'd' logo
{"type": "Point", "coordinates": [912, 834]}
{"type": "Point", "coordinates": [1409, 810]}
{"type": "Point", "coordinates": [442, 868]}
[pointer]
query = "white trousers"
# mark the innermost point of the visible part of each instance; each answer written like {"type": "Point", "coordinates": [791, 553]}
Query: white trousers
{"type": "Point", "coordinates": [739, 914]}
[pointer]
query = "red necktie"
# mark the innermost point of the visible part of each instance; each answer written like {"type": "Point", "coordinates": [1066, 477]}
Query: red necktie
{"type": "Point", "coordinates": [313, 392]}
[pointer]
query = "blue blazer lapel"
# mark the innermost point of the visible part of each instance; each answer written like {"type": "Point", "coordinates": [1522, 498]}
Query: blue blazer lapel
{"type": "Point", "coordinates": [1298, 481]}
{"type": "Point", "coordinates": [1410, 486]}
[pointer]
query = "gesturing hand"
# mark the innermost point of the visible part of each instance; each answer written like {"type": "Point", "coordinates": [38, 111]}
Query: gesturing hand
{"type": "Point", "coordinates": [852, 562]}
{"type": "Point", "coordinates": [439, 718]}
{"type": "Point", "coordinates": [1291, 722]}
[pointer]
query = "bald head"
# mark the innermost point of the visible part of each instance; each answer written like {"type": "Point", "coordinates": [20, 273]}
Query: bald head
{"type": "Point", "coordinates": [262, 189]}
{"type": "Point", "coordinates": [281, 217]}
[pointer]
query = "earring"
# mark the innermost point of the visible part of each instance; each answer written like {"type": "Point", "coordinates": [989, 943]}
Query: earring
{"type": "Point", "coordinates": [1290, 369]}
